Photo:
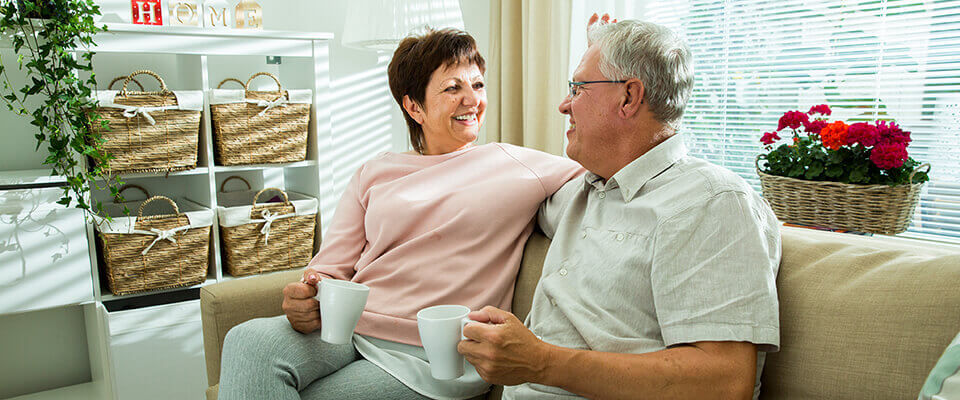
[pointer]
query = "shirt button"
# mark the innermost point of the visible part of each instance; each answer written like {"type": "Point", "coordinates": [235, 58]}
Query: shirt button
{"type": "Point", "coordinates": [563, 272]}
{"type": "Point", "coordinates": [620, 237]}
{"type": "Point", "coordinates": [553, 302]}
{"type": "Point", "coordinates": [602, 195]}
{"type": "Point", "coordinates": [584, 234]}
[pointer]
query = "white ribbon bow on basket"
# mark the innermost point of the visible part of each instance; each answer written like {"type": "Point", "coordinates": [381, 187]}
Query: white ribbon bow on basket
{"type": "Point", "coordinates": [160, 235]}
{"type": "Point", "coordinates": [131, 111]}
{"type": "Point", "coordinates": [267, 220]}
{"type": "Point", "coordinates": [268, 104]}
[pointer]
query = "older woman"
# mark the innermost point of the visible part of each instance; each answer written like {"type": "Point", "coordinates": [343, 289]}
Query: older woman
{"type": "Point", "coordinates": [443, 224]}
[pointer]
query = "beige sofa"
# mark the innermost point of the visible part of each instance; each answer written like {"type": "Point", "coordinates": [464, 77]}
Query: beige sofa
{"type": "Point", "coordinates": [860, 317]}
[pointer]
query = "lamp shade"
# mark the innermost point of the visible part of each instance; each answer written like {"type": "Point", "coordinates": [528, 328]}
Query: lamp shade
{"type": "Point", "coordinates": [381, 24]}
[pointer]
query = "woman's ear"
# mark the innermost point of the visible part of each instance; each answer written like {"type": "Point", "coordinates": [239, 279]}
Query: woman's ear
{"type": "Point", "coordinates": [633, 99]}
{"type": "Point", "coordinates": [413, 109]}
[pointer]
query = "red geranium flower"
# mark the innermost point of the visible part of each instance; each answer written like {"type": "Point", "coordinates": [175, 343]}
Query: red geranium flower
{"type": "Point", "coordinates": [814, 126]}
{"type": "Point", "coordinates": [769, 138]}
{"type": "Point", "coordinates": [889, 155]}
{"type": "Point", "coordinates": [793, 119]}
{"type": "Point", "coordinates": [834, 135]}
{"type": "Point", "coordinates": [820, 109]}
{"type": "Point", "coordinates": [863, 133]}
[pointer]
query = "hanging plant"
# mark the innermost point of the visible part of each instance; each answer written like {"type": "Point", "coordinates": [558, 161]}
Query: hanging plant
{"type": "Point", "coordinates": [44, 33]}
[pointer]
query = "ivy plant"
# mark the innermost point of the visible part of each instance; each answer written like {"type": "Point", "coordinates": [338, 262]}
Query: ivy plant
{"type": "Point", "coordinates": [45, 35]}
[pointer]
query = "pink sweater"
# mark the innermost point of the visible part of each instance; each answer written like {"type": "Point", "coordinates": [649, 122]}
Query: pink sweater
{"type": "Point", "coordinates": [446, 229]}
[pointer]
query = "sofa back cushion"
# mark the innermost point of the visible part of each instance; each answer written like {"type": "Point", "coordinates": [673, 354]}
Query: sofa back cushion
{"type": "Point", "coordinates": [860, 317]}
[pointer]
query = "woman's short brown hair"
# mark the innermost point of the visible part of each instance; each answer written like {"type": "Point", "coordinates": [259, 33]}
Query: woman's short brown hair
{"type": "Point", "coordinates": [417, 57]}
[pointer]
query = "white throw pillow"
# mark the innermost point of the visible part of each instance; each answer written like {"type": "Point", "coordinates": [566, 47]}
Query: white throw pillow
{"type": "Point", "coordinates": [944, 380]}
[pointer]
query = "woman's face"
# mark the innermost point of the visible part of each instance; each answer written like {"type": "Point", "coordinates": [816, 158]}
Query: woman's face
{"type": "Point", "coordinates": [453, 108]}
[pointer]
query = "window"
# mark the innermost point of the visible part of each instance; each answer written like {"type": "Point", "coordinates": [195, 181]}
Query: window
{"type": "Point", "coordinates": [755, 59]}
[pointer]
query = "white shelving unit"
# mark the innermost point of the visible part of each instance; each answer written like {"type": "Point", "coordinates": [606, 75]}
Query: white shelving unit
{"type": "Point", "coordinates": [149, 345]}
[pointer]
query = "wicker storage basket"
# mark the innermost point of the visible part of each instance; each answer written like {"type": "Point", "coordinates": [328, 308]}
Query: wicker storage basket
{"type": "Point", "coordinates": [150, 131]}
{"type": "Point", "coordinates": [265, 237]}
{"type": "Point", "coordinates": [880, 209]}
{"type": "Point", "coordinates": [155, 252]}
{"type": "Point", "coordinates": [259, 127]}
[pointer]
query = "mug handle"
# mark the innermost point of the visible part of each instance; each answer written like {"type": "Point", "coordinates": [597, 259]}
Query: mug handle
{"type": "Point", "coordinates": [463, 323]}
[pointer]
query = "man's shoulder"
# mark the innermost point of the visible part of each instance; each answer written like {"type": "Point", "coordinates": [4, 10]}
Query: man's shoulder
{"type": "Point", "coordinates": [700, 175]}
{"type": "Point", "coordinates": [692, 182]}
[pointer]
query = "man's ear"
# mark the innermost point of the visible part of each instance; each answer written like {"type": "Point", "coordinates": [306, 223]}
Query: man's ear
{"type": "Point", "coordinates": [413, 109]}
{"type": "Point", "coordinates": [633, 99]}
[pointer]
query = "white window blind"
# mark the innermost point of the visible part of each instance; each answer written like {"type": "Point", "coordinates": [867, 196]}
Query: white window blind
{"type": "Point", "coordinates": [756, 59]}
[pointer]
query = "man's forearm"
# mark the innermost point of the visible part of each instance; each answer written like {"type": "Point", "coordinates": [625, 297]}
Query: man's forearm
{"type": "Point", "coordinates": [715, 370]}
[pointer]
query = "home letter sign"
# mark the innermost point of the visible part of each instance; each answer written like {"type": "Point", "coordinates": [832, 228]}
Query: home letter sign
{"type": "Point", "coordinates": [215, 14]}
{"type": "Point", "coordinates": [146, 12]}
{"type": "Point", "coordinates": [184, 12]}
{"type": "Point", "coordinates": [249, 15]}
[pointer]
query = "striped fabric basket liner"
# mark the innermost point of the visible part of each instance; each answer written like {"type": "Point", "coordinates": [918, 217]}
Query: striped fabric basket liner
{"type": "Point", "coordinates": [160, 251]}
{"type": "Point", "coordinates": [259, 127]}
{"type": "Point", "coordinates": [150, 131]}
{"type": "Point", "coordinates": [264, 237]}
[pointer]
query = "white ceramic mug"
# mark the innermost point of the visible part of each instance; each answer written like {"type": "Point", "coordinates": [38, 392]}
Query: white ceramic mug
{"type": "Point", "coordinates": [441, 328]}
{"type": "Point", "coordinates": [341, 304]}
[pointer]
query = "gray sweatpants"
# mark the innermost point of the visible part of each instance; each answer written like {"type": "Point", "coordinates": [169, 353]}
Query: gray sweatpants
{"type": "Point", "coordinates": [265, 358]}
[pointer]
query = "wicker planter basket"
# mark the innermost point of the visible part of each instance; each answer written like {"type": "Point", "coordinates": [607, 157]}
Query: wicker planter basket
{"type": "Point", "coordinates": [150, 131]}
{"type": "Point", "coordinates": [264, 237]}
{"type": "Point", "coordinates": [259, 127]}
{"type": "Point", "coordinates": [155, 252]}
{"type": "Point", "coordinates": [880, 209]}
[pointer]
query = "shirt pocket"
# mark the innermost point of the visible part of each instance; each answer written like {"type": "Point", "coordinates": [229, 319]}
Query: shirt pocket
{"type": "Point", "coordinates": [610, 251]}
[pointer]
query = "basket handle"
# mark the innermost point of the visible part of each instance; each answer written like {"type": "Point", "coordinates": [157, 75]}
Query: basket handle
{"type": "Point", "coordinates": [134, 186]}
{"type": "Point", "coordinates": [917, 169]}
{"type": "Point", "coordinates": [231, 80]}
{"type": "Point", "coordinates": [176, 210]}
{"type": "Point", "coordinates": [286, 200]}
{"type": "Point", "coordinates": [246, 86]}
{"type": "Point", "coordinates": [122, 77]}
{"type": "Point", "coordinates": [224, 183]}
{"type": "Point", "coordinates": [756, 161]}
{"type": "Point", "coordinates": [163, 85]}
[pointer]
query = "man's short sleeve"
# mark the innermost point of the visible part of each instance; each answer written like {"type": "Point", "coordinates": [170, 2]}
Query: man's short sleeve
{"type": "Point", "coordinates": [714, 272]}
{"type": "Point", "coordinates": [552, 209]}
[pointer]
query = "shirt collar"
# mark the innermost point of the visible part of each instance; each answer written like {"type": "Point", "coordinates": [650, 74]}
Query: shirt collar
{"type": "Point", "coordinates": [631, 178]}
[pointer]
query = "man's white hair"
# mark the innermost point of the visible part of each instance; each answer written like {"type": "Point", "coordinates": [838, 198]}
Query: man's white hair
{"type": "Point", "coordinates": [653, 54]}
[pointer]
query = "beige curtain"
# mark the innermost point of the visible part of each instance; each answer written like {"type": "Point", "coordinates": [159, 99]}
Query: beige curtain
{"type": "Point", "coordinates": [527, 72]}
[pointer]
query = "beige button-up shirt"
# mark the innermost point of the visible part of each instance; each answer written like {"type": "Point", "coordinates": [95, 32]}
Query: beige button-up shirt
{"type": "Point", "coordinates": [670, 250]}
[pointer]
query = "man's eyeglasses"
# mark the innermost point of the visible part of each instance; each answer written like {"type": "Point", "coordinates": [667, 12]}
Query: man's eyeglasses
{"type": "Point", "coordinates": [575, 86]}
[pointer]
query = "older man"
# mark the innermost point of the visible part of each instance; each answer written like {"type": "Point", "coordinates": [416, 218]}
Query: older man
{"type": "Point", "coordinates": [659, 282]}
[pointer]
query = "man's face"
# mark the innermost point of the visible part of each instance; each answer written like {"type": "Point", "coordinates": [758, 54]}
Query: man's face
{"type": "Point", "coordinates": [591, 111]}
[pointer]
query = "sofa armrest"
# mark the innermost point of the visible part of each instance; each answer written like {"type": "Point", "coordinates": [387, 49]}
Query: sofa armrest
{"type": "Point", "coordinates": [226, 304]}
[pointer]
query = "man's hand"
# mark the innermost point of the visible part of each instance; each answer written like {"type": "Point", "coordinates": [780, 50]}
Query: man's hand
{"type": "Point", "coordinates": [503, 350]}
{"type": "Point", "coordinates": [299, 304]}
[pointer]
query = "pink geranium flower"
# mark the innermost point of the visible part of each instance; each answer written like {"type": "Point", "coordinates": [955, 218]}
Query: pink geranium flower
{"type": "Point", "coordinates": [891, 133]}
{"type": "Point", "coordinates": [863, 133]}
{"type": "Point", "coordinates": [769, 138]}
{"type": "Point", "coordinates": [889, 155]}
{"type": "Point", "coordinates": [814, 126]}
{"type": "Point", "coordinates": [793, 119]}
{"type": "Point", "coordinates": [822, 109]}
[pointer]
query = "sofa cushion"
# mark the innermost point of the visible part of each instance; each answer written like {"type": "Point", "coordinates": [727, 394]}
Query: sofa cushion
{"type": "Point", "coordinates": [860, 317]}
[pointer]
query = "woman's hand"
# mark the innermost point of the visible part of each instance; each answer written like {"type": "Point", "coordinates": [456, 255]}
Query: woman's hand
{"type": "Point", "coordinates": [605, 19]}
{"type": "Point", "coordinates": [300, 305]}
